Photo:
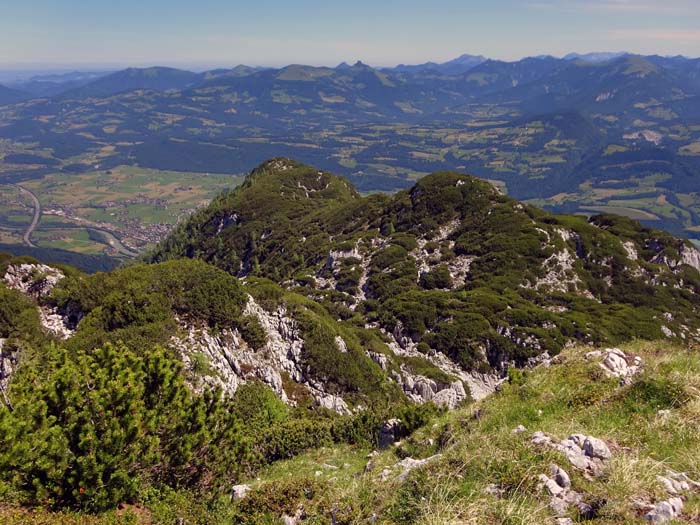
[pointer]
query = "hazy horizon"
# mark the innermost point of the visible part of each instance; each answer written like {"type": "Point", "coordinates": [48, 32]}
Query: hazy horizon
{"type": "Point", "coordinates": [59, 68]}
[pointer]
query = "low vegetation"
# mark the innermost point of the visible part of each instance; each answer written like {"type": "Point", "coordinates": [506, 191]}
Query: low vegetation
{"type": "Point", "coordinates": [485, 472]}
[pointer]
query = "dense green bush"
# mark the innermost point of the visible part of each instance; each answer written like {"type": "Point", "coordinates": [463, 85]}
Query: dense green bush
{"type": "Point", "coordinates": [258, 406]}
{"type": "Point", "coordinates": [349, 371]}
{"type": "Point", "coordinates": [290, 438]}
{"type": "Point", "coordinates": [438, 278]}
{"type": "Point", "coordinates": [18, 316]}
{"type": "Point", "coordinates": [138, 305]}
{"type": "Point", "coordinates": [187, 287]}
{"type": "Point", "coordinates": [100, 425]}
{"type": "Point", "coordinates": [252, 331]}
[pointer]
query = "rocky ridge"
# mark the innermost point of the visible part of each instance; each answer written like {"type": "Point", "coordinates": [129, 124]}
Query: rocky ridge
{"type": "Point", "coordinates": [37, 281]}
{"type": "Point", "coordinates": [448, 241]}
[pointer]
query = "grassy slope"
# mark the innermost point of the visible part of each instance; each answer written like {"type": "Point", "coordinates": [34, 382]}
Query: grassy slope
{"type": "Point", "coordinates": [571, 397]}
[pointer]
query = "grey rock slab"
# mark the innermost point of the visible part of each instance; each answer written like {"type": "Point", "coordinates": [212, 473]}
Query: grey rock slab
{"type": "Point", "coordinates": [665, 511]}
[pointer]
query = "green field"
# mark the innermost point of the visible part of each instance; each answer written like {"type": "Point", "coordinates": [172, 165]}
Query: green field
{"type": "Point", "coordinates": [126, 208]}
{"type": "Point", "coordinates": [15, 207]}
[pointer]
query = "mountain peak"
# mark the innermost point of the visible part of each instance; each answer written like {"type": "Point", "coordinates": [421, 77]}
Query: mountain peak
{"type": "Point", "coordinates": [360, 65]}
{"type": "Point", "coordinates": [466, 57]}
{"type": "Point", "coordinates": [596, 56]}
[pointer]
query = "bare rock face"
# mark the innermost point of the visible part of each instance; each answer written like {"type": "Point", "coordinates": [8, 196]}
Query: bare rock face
{"type": "Point", "coordinates": [421, 389]}
{"type": "Point", "coordinates": [35, 281]}
{"type": "Point", "coordinates": [690, 256]}
{"type": "Point", "coordinates": [332, 402]}
{"type": "Point", "coordinates": [450, 397]}
{"type": "Point", "coordinates": [427, 260]}
{"type": "Point", "coordinates": [474, 384]}
{"type": "Point", "coordinates": [231, 362]}
{"type": "Point", "coordinates": [379, 358]}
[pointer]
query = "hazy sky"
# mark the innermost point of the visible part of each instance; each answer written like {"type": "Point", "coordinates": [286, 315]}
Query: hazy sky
{"type": "Point", "coordinates": [379, 32]}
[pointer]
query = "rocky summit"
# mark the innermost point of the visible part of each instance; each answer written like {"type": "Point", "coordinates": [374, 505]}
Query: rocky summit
{"type": "Point", "coordinates": [452, 281]}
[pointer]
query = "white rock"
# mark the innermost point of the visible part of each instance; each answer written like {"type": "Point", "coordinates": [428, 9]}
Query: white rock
{"type": "Point", "coordinates": [233, 362]}
{"type": "Point", "coordinates": [8, 364]}
{"type": "Point", "coordinates": [683, 477]}
{"type": "Point", "coordinates": [583, 452]}
{"type": "Point", "coordinates": [378, 358]}
{"type": "Point", "coordinates": [450, 397]}
{"type": "Point", "coordinates": [671, 486]}
{"type": "Point", "coordinates": [37, 281]}
{"type": "Point", "coordinates": [690, 256]}
{"type": "Point", "coordinates": [665, 511]}
{"type": "Point", "coordinates": [675, 483]}
{"type": "Point", "coordinates": [596, 448]}
{"type": "Point", "coordinates": [340, 343]}
{"type": "Point", "coordinates": [333, 402]}
{"type": "Point", "coordinates": [560, 476]}
{"type": "Point", "coordinates": [552, 486]}
{"type": "Point", "coordinates": [408, 464]}
{"type": "Point", "coordinates": [559, 488]}
{"type": "Point", "coordinates": [618, 364]}
{"type": "Point", "coordinates": [239, 491]}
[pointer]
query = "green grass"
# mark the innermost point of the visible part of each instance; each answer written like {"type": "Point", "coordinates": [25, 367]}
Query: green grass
{"type": "Point", "coordinates": [573, 397]}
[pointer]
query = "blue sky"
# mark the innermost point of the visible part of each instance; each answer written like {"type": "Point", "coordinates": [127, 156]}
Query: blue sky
{"type": "Point", "coordinates": [379, 32]}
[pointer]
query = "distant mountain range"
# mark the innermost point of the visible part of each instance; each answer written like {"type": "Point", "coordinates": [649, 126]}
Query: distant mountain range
{"type": "Point", "coordinates": [52, 84]}
{"type": "Point", "coordinates": [594, 132]}
{"type": "Point", "coordinates": [165, 78]}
